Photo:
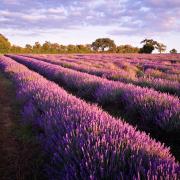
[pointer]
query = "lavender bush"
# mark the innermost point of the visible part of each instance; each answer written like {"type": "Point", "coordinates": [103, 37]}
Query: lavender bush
{"type": "Point", "coordinates": [82, 141]}
{"type": "Point", "coordinates": [148, 107]}
{"type": "Point", "coordinates": [163, 85]}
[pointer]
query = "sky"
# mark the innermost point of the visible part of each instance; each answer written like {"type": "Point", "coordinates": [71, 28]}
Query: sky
{"type": "Point", "coordinates": [81, 22]}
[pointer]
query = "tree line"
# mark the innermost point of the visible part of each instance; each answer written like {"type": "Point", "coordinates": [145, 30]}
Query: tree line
{"type": "Point", "coordinates": [98, 46]}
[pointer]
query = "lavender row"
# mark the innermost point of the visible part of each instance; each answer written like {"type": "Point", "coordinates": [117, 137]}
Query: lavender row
{"type": "Point", "coordinates": [169, 60]}
{"type": "Point", "coordinates": [106, 73]}
{"type": "Point", "coordinates": [161, 58]}
{"type": "Point", "coordinates": [162, 85]}
{"type": "Point", "coordinates": [104, 60]}
{"type": "Point", "coordinates": [146, 106]}
{"type": "Point", "coordinates": [82, 141]}
{"type": "Point", "coordinates": [132, 66]}
{"type": "Point", "coordinates": [162, 63]}
{"type": "Point", "coordinates": [159, 74]}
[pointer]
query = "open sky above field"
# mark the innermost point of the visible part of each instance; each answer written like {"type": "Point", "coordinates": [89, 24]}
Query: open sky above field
{"type": "Point", "coordinates": [82, 21]}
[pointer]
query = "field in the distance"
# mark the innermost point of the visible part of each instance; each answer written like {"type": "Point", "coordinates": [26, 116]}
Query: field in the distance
{"type": "Point", "coordinates": [101, 116]}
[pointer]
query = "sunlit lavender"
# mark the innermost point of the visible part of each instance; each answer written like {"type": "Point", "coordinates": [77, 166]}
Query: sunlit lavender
{"type": "Point", "coordinates": [81, 140]}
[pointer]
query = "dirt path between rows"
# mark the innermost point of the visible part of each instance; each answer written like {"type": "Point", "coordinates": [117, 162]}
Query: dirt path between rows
{"type": "Point", "coordinates": [8, 144]}
{"type": "Point", "coordinates": [16, 157]}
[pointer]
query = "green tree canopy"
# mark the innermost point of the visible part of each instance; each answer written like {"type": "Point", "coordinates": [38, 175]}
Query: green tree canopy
{"type": "Point", "coordinates": [84, 48]}
{"type": "Point", "coordinates": [71, 48]}
{"type": "Point", "coordinates": [16, 49]}
{"type": "Point", "coordinates": [160, 47]}
{"type": "Point", "coordinates": [149, 42]}
{"type": "Point", "coordinates": [150, 45]}
{"type": "Point", "coordinates": [126, 49]}
{"type": "Point", "coordinates": [173, 51]}
{"type": "Point", "coordinates": [147, 48]}
{"type": "Point", "coordinates": [28, 48]}
{"type": "Point", "coordinates": [4, 44]}
{"type": "Point", "coordinates": [37, 48]}
{"type": "Point", "coordinates": [104, 44]}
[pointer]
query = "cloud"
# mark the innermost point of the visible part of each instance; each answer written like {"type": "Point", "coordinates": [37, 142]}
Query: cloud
{"type": "Point", "coordinates": [3, 19]}
{"type": "Point", "coordinates": [122, 17]}
{"type": "Point", "coordinates": [148, 17]}
{"type": "Point", "coordinates": [57, 10]}
{"type": "Point", "coordinates": [9, 2]}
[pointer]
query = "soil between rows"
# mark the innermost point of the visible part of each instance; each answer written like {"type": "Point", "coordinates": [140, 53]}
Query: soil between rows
{"type": "Point", "coordinates": [19, 155]}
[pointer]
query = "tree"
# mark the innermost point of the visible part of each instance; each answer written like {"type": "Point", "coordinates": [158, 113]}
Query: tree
{"type": "Point", "coordinates": [160, 47]}
{"type": "Point", "coordinates": [147, 48]}
{"type": "Point", "coordinates": [4, 44]}
{"type": "Point", "coordinates": [55, 48]}
{"type": "Point", "coordinates": [126, 49]}
{"type": "Point", "coordinates": [173, 51]}
{"type": "Point", "coordinates": [46, 47]}
{"type": "Point", "coordinates": [149, 42]}
{"type": "Point", "coordinates": [16, 49]}
{"type": "Point", "coordinates": [63, 49]}
{"type": "Point", "coordinates": [71, 48]}
{"type": "Point", "coordinates": [28, 48]}
{"type": "Point", "coordinates": [150, 45]}
{"type": "Point", "coordinates": [83, 48]}
{"type": "Point", "coordinates": [37, 47]}
{"type": "Point", "coordinates": [103, 44]}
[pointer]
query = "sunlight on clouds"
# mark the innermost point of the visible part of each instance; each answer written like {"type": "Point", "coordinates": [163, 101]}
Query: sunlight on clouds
{"type": "Point", "coordinates": [114, 17]}
{"type": "Point", "coordinates": [58, 10]}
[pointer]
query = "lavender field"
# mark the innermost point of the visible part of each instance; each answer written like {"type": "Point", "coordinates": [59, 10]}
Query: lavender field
{"type": "Point", "coordinates": [101, 116]}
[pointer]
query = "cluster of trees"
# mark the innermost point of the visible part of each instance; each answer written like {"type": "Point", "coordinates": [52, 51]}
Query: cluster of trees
{"type": "Point", "coordinates": [4, 44]}
{"type": "Point", "coordinates": [149, 45]}
{"type": "Point", "coordinates": [47, 47]}
{"type": "Point", "coordinates": [108, 45]}
{"type": "Point", "coordinates": [99, 45]}
{"type": "Point", "coordinates": [51, 48]}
